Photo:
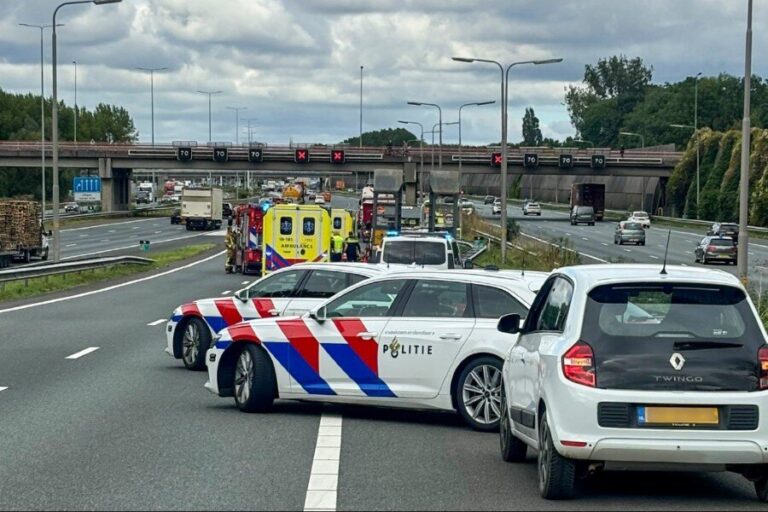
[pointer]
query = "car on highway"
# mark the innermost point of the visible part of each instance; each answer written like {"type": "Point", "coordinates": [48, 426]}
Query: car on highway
{"type": "Point", "coordinates": [489, 200]}
{"type": "Point", "coordinates": [716, 248]}
{"type": "Point", "coordinates": [143, 197]}
{"type": "Point", "coordinates": [642, 217]}
{"type": "Point", "coordinates": [628, 232]}
{"type": "Point", "coordinates": [176, 216]}
{"type": "Point", "coordinates": [423, 339]}
{"type": "Point", "coordinates": [496, 208]}
{"type": "Point", "coordinates": [532, 208]}
{"type": "Point", "coordinates": [71, 208]}
{"type": "Point", "coordinates": [729, 229]}
{"type": "Point", "coordinates": [583, 215]}
{"type": "Point", "coordinates": [466, 205]}
{"type": "Point", "coordinates": [290, 291]}
{"type": "Point", "coordinates": [631, 367]}
{"type": "Point", "coordinates": [419, 249]}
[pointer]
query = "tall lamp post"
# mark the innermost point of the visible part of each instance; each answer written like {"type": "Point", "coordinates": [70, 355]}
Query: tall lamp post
{"type": "Point", "coordinates": [473, 104]}
{"type": "Point", "coordinates": [209, 93]}
{"type": "Point", "coordinates": [75, 128]}
{"type": "Point", "coordinates": [237, 121]}
{"type": "Point", "coordinates": [42, 108]}
{"type": "Point", "coordinates": [742, 257]}
{"type": "Point", "coordinates": [504, 91]}
{"type": "Point", "coordinates": [55, 122]}
{"type": "Point", "coordinates": [440, 122]}
{"type": "Point", "coordinates": [421, 152]}
{"type": "Point", "coordinates": [361, 108]}
{"type": "Point", "coordinates": [151, 72]}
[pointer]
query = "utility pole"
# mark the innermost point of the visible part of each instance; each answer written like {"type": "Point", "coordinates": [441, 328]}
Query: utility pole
{"type": "Point", "coordinates": [743, 253]}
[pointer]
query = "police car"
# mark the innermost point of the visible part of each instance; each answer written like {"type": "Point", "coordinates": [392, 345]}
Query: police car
{"type": "Point", "coordinates": [292, 291]}
{"type": "Point", "coordinates": [424, 339]}
{"type": "Point", "coordinates": [623, 367]}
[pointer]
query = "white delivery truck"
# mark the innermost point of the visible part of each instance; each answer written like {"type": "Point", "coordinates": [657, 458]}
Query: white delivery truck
{"type": "Point", "coordinates": [202, 208]}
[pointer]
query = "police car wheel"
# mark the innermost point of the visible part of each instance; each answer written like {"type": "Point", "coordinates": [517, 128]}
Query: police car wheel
{"type": "Point", "coordinates": [195, 342]}
{"type": "Point", "coordinates": [254, 380]}
{"type": "Point", "coordinates": [478, 393]}
{"type": "Point", "coordinates": [512, 449]}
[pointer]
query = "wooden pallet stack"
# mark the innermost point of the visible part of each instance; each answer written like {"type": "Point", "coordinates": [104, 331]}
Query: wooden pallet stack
{"type": "Point", "coordinates": [19, 224]}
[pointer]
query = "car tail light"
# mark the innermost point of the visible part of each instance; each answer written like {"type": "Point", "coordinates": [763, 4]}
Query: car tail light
{"type": "Point", "coordinates": [763, 356]}
{"type": "Point", "coordinates": [579, 365]}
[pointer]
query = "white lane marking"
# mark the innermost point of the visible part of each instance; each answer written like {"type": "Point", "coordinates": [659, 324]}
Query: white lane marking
{"type": "Point", "coordinates": [135, 227]}
{"type": "Point", "coordinates": [157, 322]}
{"type": "Point", "coordinates": [324, 477]}
{"type": "Point", "coordinates": [585, 239]}
{"type": "Point", "coordinates": [114, 287]}
{"type": "Point", "coordinates": [106, 224]}
{"type": "Point", "coordinates": [628, 250]}
{"type": "Point", "coordinates": [70, 245]}
{"type": "Point", "coordinates": [3, 388]}
{"type": "Point", "coordinates": [158, 232]}
{"type": "Point", "coordinates": [245, 282]}
{"type": "Point", "coordinates": [604, 244]}
{"type": "Point", "coordinates": [226, 292]}
{"type": "Point", "coordinates": [128, 247]}
{"type": "Point", "coordinates": [82, 353]}
{"type": "Point", "coordinates": [112, 231]}
{"type": "Point", "coordinates": [84, 236]}
{"type": "Point", "coordinates": [555, 245]}
{"type": "Point", "coordinates": [653, 257]}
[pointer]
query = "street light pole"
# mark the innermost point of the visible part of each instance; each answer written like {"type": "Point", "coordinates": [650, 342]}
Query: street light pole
{"type": "Point", "coordinates": [361, 108]}
{"type": "Point", "coordinates": [152, 95]}
{"type": "Point", "coordinates": [504, 91]}
{"type": "Point", "coordinates": [42, 110]}
{"type": "Point", "coordinates": [209, 93]}
{"type": "Point", "coordinates": [743, 253]}
{"type": "Point", "coordinates": [75, 132]}
{"type": "Point", "coordinates": [421, 152]}
{"type": "Point", "coordinates": [440, 122]}
{"type": "Point", "coordinates": [237, 122]}
{"type": "Point", "coordinates": [696, 132]}
{"type": "Point", "coordinates": [473, 104]}
{"type": "Point", "coordinates": [55, 122]}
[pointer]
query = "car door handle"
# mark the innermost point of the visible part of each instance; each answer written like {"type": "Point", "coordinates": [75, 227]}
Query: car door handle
{"type": "Point", "coordinates": [273, 312]}
{"type": "Point", "coordinates": [449, 336]}
{"type": "Point", "coordinates": [366, 335]}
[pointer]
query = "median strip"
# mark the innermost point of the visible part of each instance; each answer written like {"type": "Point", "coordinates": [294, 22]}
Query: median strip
{"type": "Point", "coordinates": [82, 353]}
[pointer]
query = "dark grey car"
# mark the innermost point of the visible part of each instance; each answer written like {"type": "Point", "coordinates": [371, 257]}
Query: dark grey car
{"type": "Point", "coordinates": [583, 215]}
{"type": "Point", "coordinates": [629, 232]}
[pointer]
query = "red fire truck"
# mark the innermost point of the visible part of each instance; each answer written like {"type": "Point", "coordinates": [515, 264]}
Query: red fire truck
{"type": "Point", "coordinates": [249, 224]}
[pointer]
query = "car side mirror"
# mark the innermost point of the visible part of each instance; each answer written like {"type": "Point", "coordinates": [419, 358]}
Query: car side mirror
{"type": "Point", "coordinates": [509, 324]}
{"type": "Point", "coordinates": [319, 314]}
{"type": "Point", "coordinates": [242, 295]}
{"type": "Point", "coordinates": [468, 265]}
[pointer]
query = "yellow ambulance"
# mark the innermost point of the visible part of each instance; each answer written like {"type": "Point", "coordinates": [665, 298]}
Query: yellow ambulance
{"type": "Point", "coordinates": [295, 234]}
{"type": "Point", "coordinates": [342, 222]}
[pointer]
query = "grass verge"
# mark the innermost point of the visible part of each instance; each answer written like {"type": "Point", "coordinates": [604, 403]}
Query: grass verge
{"type": "Point", "coordinates": [39, 285]}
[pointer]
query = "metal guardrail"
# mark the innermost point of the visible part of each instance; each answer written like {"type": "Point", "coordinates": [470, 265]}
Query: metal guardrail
{"type": "Point", "coordinates": [121, 213]}
{"type": "Point", "coordinates": [53, 269]}
{"type": "Point", "coordinates": [694, 222]}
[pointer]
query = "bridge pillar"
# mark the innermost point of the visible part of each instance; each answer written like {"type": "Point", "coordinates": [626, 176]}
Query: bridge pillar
{"type": "Point", "coordinates": [410, 181]}
{"type": "Point", "coordinates": [115, 186]}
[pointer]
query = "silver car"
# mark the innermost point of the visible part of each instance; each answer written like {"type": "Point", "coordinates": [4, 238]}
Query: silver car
{"type": "Point", "coordinates": [628, 232]}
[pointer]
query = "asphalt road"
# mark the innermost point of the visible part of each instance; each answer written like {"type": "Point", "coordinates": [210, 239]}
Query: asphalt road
{"type": "Point", "coordinates": [125, 427]}
{"type": "Point", "coordinates": [122, 237]}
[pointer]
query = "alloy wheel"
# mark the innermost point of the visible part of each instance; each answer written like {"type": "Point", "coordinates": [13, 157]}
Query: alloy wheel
{"type": "Point", "coordinates": [481, 394]}
{"type": "Point", "coordinates": [191, 343]}
{"type": "Point", "coordinates": [243, 377]}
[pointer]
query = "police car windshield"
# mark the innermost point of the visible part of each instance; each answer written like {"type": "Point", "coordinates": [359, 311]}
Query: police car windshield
{"type": "Point", "coordinates": [420, 252]}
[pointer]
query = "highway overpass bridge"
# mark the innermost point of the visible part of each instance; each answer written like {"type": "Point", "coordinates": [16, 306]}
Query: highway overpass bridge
{"type": "Point", "coordinates": [115, 163]}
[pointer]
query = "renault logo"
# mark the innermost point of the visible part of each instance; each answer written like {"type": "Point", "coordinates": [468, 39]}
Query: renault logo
{"type": "Point", "coordinates": [677, 361]}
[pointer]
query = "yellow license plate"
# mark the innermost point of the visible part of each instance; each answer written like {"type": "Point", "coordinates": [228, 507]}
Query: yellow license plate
{"type": "Point", "coordinates": [678, 416]}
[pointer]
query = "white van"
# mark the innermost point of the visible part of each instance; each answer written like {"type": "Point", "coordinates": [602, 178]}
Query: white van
{"type": "Point", "coordinates": [436, 251]}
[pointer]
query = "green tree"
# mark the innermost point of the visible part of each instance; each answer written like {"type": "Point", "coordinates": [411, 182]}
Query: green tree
{"type": "Point", "coordinates": [383, 137]}
{"type": "Point", "coordinates": [531, 131]}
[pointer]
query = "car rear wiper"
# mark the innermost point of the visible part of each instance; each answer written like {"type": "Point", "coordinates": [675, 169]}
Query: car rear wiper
{"type": "Point", "coordinates": [704, 345]}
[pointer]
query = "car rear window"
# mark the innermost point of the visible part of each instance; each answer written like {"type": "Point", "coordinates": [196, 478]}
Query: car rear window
{"type": "Point", "coordinates": [632, 225]}
{"type": "Point", "coordinates": [721, 242]}
{"type": "Point", "coordinates": [584, 209]}
{"type": "Point", "coordinates": [729, 227]}
{"type": "Point", "coordinates": [681, 312]}
{"type": "Point", "coordinates": [421, 253]}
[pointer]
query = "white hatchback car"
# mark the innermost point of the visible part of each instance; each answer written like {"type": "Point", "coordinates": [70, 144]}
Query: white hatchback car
{"type": "Point", "coordinates": [532, 208]}
{"type": "Point", "coordinates": [290, 291]}
{"type": "Point", "coordinates": [424, 339]}
{"type": "Point", "coordinates": [641, 217]}
{"type": "Point", "coordinates": [621, 367]}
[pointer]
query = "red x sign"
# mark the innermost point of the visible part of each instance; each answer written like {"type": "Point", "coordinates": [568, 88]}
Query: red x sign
{"type": "Point", "coordinates": [301, 156]}
{"type": "Point", "coordinates": [337, 156]}
{"type": "Point", "coordinates": [496, 159]}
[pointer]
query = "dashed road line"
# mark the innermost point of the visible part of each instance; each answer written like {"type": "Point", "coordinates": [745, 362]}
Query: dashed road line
{"type": "Point", "coordinates": [226, 292]}
{"type": "Point", "coordinates": [158, 232]}
{"type": "Point", "coordinates": [324, 476]}
{"type": "Point", "coordinates": [78, 355]}
{"type": "Point", "coordinates": [653, 257]}
{"type": "Point", "coordinates": [157, 322]}
{"type": "Point", "coordinates": [245, 282]}
{"type": "Point", "coordinates": [3, 388]}
{"type": "Point", "coordinates": [111, 231]}
{"type": "Point", "coordinates": [585, 239]}
{"type": "Point", "coordinates": [604, 244]}
{"type": "Point", "coordinates": [628, 250]}
{"type": "Point", "coordinates": [70, 245]}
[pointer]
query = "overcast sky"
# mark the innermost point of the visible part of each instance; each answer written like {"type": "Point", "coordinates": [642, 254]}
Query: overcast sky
{"type": "Point", "coordinates": [295, 64]}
